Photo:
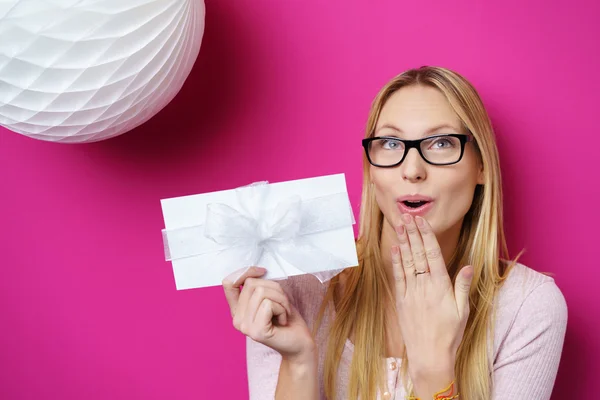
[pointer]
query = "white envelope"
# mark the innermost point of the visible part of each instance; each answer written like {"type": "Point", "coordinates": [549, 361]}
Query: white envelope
{"type": "Point", "coordinates": [200, 262]}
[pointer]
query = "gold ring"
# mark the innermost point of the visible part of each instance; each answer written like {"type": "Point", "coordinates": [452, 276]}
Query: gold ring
{"type": "Point", "coordinates": [421, 272]}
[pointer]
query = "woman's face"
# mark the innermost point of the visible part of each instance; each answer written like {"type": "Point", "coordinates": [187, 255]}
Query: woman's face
{"type": "Point", "coordinates": [415, 112]}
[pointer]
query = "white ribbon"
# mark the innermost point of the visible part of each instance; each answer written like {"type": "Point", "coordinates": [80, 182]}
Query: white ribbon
{"type": "Point", "coordinates": [242, 237]}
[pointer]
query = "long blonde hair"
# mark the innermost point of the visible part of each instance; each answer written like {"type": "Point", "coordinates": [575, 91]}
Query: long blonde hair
{"type": "Point", "coordinates": [360, 303]}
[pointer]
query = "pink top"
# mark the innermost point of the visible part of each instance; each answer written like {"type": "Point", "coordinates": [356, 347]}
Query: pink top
{"type": "Point", "coordinates": [529, 335]}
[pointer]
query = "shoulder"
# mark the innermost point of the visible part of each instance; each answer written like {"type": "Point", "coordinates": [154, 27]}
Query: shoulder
{"type": "Point", "coordinates": [527, 304]}
{"type": "Point", "coordinates": [524, 285]}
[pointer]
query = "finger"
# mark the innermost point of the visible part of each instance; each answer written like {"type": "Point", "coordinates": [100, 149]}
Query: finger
{"type": "Point", "coordinates": [264, 317]}
{"type": "Point", "coordinates": [244, 313]}
{"type": "Point", "coordinates": [271, 288]}
{"type": "Point", "coordinates": [398, 273]}
{"type": "Point", "coordinates": [260, 293]}
{"type": "Point", "coordinates": [270, 284]}
{"type": "Point", "coordinates": [232, 288]}
{"type": "Point", "coordinates": [416, 244]}
{"type": "Point", "coordinates": [433, 252]}
{"type": "Point", "coordinates": [239, 316]}
{"type": "Point", "coordinates": [406, 256]}
{"type": "Point", "coordinates": [252, 272]}
{"type": "Point", "coordinates": [462, 289]}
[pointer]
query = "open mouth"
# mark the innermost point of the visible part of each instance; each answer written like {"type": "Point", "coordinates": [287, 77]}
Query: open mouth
{"type": "Point", "coordinates": [414, 204]}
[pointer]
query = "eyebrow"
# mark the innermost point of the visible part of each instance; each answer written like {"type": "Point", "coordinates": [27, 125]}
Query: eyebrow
{"type": "Point", "coordinates": [427, 132]}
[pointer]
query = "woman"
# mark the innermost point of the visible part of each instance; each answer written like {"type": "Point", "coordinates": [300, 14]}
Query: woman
{"type": "Point", "coordinates": [434, 309]}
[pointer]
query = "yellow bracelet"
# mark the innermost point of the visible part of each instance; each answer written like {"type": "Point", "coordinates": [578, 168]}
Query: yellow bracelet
{"type": "Point", "coordinates": [440, 396]}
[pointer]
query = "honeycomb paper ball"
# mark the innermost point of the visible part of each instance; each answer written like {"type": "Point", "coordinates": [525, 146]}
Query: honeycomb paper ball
{"type": "Point", "coordinates": [77, 71]}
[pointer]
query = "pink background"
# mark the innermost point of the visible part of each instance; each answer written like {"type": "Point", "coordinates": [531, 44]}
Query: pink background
{"type": "Point", "coordinates": [281, 91]}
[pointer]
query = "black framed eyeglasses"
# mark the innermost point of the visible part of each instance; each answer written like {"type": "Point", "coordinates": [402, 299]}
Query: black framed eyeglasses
{"type": "Point", "coordinates": [389, 151]}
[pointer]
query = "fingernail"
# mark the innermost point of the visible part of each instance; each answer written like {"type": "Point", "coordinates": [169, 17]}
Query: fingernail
{"type": "Point", "coordinates": [420, 222]}
{"type": "Point", "coordinates": [468, 272]}
{"type": "Point", "coordinates": [400, 229]}
{"type": "Point", "coordinates": [406, 218]}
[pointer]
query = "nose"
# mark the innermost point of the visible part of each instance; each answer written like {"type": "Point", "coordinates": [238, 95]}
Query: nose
{"type": "Point", "coordinates": [413, 167]}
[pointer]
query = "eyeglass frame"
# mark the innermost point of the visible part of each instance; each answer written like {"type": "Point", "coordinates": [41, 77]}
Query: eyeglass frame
{"type": "Point", "coordinates": [409, 144]}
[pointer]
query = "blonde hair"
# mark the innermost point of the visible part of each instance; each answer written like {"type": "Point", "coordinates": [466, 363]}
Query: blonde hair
{"type": "Point", "coordinates": [482, 243]}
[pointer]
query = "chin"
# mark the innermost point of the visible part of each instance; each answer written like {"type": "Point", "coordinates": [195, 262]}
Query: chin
{"type": "Point", "coordinates": [439, 227]}
{"type": "Point", "coordinates": [434, 226]}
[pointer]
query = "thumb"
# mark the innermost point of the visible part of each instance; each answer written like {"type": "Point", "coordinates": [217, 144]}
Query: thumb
{"type": "Point", "coordinates": [462, 288]}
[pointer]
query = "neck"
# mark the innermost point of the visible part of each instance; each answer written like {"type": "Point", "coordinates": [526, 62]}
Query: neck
{"type": "Point", "coordinates": [448, 241]}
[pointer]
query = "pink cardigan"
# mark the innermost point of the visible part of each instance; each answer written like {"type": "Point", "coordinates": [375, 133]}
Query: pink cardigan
{"type": "Point", "coordinates": [530, 329]}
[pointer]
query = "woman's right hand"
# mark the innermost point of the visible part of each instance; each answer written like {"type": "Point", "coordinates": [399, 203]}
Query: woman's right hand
{"type": "Point", "coordinates": [263, 312]}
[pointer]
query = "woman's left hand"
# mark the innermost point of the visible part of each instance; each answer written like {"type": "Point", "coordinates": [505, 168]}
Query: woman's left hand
{"type": "Point", "coordinates": [431, 313]}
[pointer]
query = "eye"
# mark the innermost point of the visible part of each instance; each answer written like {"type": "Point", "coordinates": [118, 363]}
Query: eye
{"type": "Point", "coordinates": [443, 143]}
{"type": "Point", "coordinates": [391, 144]}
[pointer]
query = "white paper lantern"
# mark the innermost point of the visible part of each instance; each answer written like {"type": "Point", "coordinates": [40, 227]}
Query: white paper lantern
{"type": "Point", "coordinates": [87, 70]}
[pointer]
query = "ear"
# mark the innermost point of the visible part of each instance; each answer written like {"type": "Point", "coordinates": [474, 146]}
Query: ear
{"type": "Point", "coordinates": [480, 175]}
